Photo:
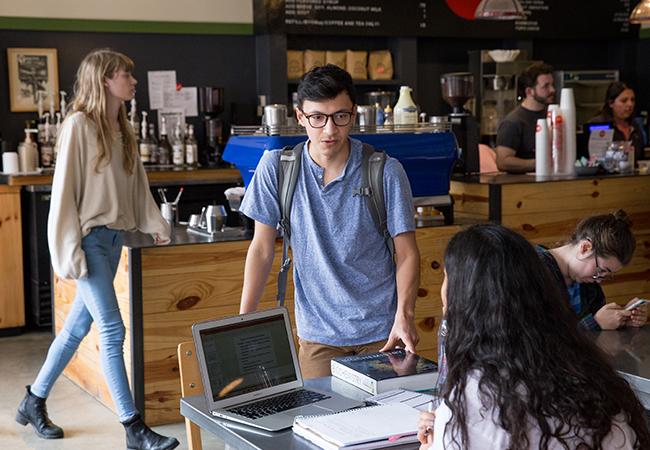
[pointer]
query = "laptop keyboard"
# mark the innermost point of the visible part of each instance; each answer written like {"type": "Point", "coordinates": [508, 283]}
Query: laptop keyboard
{"type": "Point", "coordinates": [278, 404]}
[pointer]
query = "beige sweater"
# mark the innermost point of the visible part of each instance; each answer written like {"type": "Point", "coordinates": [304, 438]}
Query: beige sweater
{"type": "Point", "coordinates": [83, 198]}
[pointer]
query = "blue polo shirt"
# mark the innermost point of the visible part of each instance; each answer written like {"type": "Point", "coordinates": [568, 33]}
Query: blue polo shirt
{"type": "Point", "coordinates": [345, 290]}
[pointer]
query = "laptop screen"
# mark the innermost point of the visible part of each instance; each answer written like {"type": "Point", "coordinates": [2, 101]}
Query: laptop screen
{"type": "Point", "coordinates": [247, 356]}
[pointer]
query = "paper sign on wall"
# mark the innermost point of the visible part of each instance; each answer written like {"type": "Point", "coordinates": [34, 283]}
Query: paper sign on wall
{"type": "Point", "coordinates": [160, 82]}
{"type": "Point", "coordinates": [185, 99]}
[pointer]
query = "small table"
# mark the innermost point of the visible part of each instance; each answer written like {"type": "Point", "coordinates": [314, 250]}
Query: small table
{"type": "Point", "coordinates": [628, 350]}
{"type": "Point", "coordinates": [241, 436]}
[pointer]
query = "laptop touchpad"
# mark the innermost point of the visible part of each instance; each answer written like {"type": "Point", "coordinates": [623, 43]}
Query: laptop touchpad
{"type": "Point", "coordinates": [309, 410]}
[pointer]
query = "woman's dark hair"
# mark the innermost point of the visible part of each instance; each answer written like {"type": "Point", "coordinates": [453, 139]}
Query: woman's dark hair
{"type": "Point", "coordinates": [511, 327]}
{"type": "Point", "coordinates": [614, 89]}
{"type": "Point", "coordinates": [325, 83]}
{"type": "Point", "coordinates": [610, 235]}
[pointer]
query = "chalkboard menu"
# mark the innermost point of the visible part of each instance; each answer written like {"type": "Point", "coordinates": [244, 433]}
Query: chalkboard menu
{"type": "Point", "coordinates": [553, 19]}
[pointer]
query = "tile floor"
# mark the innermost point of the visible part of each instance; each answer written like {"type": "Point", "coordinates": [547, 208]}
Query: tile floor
{"type": "Point", "coordinates": [87, 423]}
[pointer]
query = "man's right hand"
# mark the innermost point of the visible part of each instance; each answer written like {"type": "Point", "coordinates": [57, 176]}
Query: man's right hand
{"type": "Point", "coordinates": [612, 316]}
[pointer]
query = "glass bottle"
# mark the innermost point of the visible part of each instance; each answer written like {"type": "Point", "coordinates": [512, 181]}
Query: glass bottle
{"type": "Point", "coordinates": [191, 148]}
{"type": "Point", "coordinates": [143, 146]}
{"type": "Point", "coordinates": [55, 134]}
{"type": "Point", "coordinates": [47, 146]}
{"type": "Point", "coordinates": [154, 151]}
{"type": "Point", "coordinates": [178, 147]}
{"type": "Point", "coordinates": [134, 120]}
{"type": "Point", "coordinates": [164, 147]}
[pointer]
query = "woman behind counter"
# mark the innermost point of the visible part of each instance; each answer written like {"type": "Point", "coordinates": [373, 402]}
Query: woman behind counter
{"type": "Point", "coordinates": [520, 373]}
{"type": "Point", "coordinates": [99, 189]}
{"type": "Point", "coordinates": [618, 110]}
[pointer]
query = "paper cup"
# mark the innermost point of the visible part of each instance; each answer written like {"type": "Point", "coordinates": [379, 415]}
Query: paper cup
{"type": "Point", "coordinates": [10, 162]}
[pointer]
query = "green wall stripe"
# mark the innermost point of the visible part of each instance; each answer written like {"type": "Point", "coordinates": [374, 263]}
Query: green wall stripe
{"type": "Point", "coordinates": [644, 33]}
{"type": "Point", "coordinates": [124, 26]}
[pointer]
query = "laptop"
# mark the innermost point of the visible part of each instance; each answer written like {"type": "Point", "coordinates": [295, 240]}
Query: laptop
{"type": "Point", "coordinates": [250, 372]}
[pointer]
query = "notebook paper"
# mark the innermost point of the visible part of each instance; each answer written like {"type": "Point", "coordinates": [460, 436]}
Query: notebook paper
{"type": "Point", "coordinates": [373, 424]}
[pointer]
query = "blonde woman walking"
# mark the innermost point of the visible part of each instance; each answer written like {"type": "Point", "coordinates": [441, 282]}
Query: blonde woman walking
{"type": "Point", "coordinates": [99, 190]}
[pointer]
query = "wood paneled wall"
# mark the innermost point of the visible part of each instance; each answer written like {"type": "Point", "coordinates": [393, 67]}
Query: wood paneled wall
{"type": "Point", "coordinates": [547, 213]}
{"type": "Point", "coordinates": [12, 297]}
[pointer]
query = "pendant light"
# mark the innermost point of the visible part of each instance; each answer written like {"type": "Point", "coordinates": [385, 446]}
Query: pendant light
{"type": "Point", "coordinates": [641, 14]}
{"type": "Point", "coordinates": [500, 10]}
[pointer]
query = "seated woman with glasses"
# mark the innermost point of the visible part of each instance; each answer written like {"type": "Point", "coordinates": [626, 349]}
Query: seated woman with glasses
{"type": "Point", "coordinates": [599, 247]}
{"type": "Point", "coordinates": [520, 375]}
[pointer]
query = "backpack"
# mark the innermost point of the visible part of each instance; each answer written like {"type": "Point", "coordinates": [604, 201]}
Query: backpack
{"type": "Point", "coordinates": [372, 189]}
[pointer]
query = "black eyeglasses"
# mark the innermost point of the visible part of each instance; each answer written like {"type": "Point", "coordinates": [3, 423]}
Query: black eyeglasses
{"type": "Point", "coordinates": [601, 274]}
{"type": "Point", "coordinates": [319, 120]}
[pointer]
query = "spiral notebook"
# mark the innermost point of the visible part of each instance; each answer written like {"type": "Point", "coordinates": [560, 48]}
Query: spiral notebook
{"type": "Point", "coordinates": [364, 428]}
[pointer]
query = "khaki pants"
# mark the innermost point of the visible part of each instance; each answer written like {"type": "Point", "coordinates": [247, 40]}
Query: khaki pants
{"type": "Point", "coordinates": [315, 358]}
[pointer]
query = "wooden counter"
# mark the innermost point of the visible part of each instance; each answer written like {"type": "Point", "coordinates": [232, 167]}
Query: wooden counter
{"type": "Point", "coordinates": [156, 177]}
{"type": "Point", "coordinates": [163, 290]}
{"type": "Point", "coordinates": [12, 298]}
{"type": "Point", "coordinates": [546, 210]}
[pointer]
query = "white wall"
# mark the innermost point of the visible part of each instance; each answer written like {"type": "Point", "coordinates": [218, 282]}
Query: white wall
{"type": "Point", "coordinates": [212, 11]}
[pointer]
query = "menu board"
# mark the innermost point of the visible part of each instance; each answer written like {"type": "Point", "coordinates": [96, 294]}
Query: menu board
{"type": "Point", "coordinates": [556, 19]}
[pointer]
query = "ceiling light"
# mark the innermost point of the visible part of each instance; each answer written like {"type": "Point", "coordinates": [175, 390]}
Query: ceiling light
{"type": "Point", "coordinates": [502, 10]}
{"type": "Point", "coordinates": [641, 14]}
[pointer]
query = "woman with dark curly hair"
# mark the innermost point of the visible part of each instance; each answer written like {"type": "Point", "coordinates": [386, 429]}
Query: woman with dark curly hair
{"type": "Point", "coordinates": [520, 374]}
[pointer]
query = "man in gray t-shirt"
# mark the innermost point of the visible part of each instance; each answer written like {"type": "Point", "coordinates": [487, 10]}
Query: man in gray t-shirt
{"type": "Point", "coordinates": [350, 297]}
{"type": "Point", "coordinates": [516, 133]}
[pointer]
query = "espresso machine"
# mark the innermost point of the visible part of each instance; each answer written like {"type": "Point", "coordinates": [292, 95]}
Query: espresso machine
{"type": "Point", "coordinates": [457, 89]}
{"type": "Point", "coordinates": [210, 106]}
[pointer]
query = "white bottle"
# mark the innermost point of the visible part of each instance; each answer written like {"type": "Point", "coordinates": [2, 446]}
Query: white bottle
{"type": "Point", "coordinates": [145, 150]}
{"type": "Point", "coordinates": [405, 111]}
{"type": "Point", "coordinates": [134, 120]}
{"type": "Point", "coordinates": [28, 153]}
{"type": "Point", "coordinates": [63, 104]}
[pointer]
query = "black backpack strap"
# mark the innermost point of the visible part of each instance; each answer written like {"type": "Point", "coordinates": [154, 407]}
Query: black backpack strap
{"type": "Point", "coordinates": [372, 188]}
{"type": "Point", "coordinates": [288, 171]}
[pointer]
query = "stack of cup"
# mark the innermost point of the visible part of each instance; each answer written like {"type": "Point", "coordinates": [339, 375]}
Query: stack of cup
{"type": "Point", "coordinates": [10, 163]}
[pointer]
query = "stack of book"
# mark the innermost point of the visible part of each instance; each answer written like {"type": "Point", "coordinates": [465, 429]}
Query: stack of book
{"type": "Point", "coordinates": [384, 371]}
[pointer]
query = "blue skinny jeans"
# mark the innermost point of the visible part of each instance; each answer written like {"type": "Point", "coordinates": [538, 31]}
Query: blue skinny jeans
{"type": "Point", "coordinates": [95, 301]}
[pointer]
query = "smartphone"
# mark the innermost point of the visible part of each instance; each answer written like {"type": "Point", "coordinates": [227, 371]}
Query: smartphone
{"type": "Point", "coordinates": [636, 304]}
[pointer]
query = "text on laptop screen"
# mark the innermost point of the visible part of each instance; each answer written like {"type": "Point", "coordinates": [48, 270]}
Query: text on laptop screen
{"type": "Point", "coordinates": [246, 357]}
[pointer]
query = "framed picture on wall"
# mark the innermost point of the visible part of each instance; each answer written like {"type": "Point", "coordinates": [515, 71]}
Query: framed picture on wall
{"type": "Point", "coordinates": [33, 74]}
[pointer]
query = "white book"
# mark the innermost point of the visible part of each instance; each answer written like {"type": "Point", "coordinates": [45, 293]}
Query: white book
{"type": "Point", "coordinates": [364, 428]}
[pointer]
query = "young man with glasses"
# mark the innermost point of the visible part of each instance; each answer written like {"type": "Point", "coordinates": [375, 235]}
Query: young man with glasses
{"type": "Point", "coordinates": [599, 247]}
{"type": "Point", "coordinates": [350, 297]}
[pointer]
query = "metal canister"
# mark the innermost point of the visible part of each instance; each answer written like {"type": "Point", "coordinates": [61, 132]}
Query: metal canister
{"type": "Point", "coordinates": [275, 117]}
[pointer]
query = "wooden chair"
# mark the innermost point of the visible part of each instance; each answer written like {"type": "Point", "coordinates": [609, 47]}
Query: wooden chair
{"type": "Point", "coordinates": [191, 384]}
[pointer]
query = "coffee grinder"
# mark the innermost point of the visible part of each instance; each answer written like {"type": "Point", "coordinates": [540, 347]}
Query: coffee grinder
{"type": "Point", "coordinates": [210, 106]}
{"type": "Point", "coordinates": [457, 88]}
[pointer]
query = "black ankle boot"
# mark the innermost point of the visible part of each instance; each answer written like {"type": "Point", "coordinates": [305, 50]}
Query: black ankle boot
{"type": "Point", "coordinates": [33, 410]}
{"type": "Point", "coordinates": [140, 437]}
